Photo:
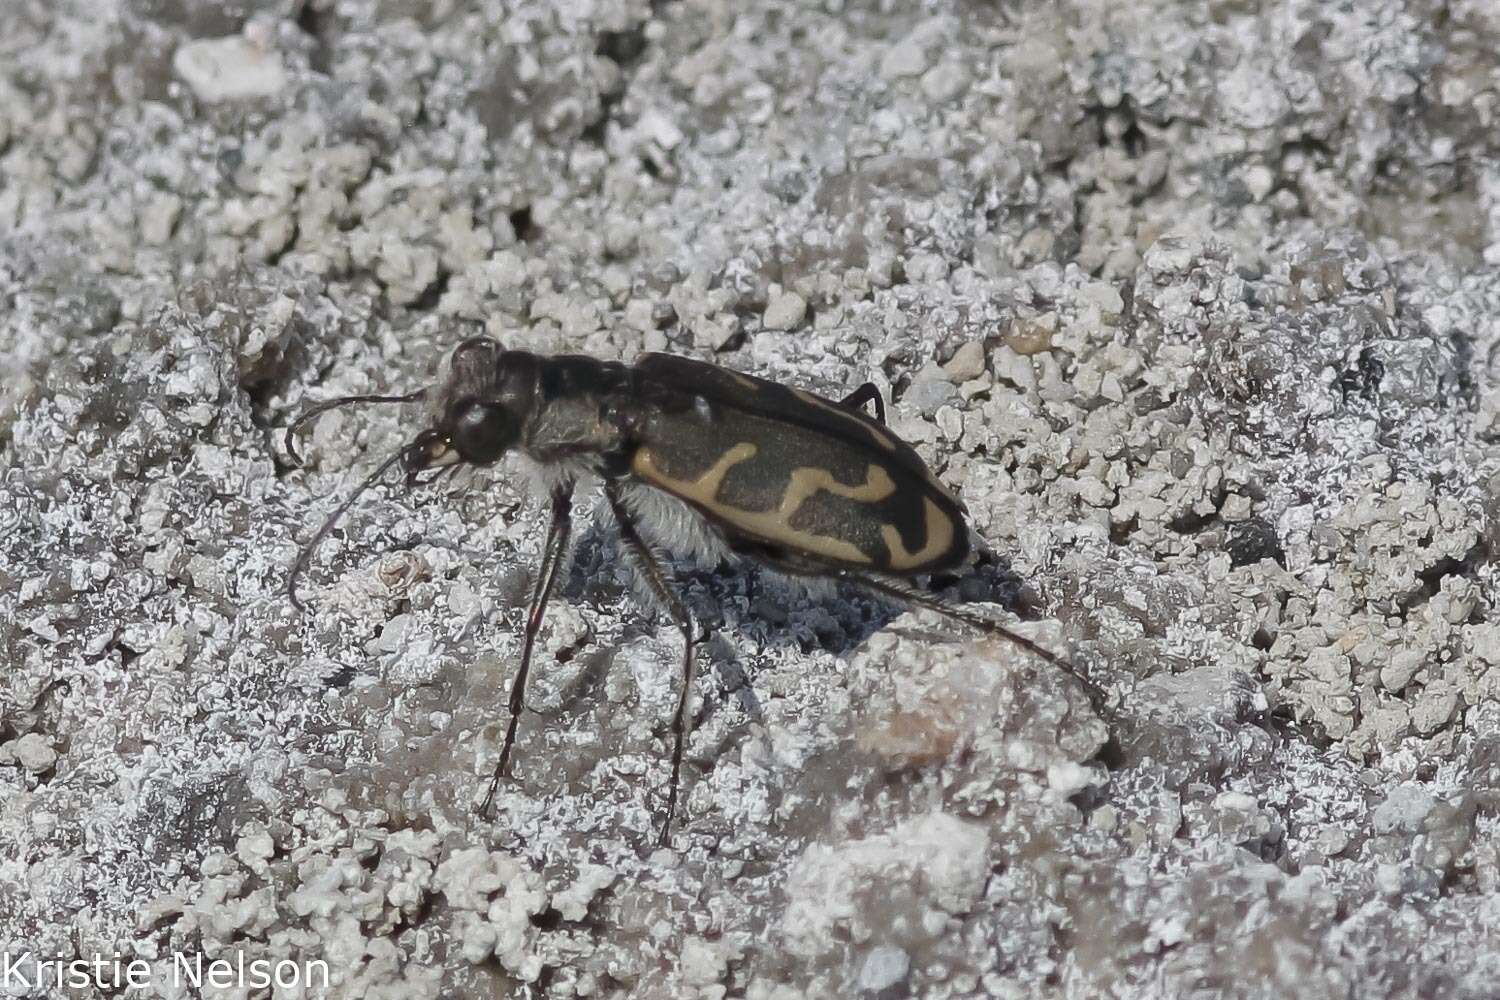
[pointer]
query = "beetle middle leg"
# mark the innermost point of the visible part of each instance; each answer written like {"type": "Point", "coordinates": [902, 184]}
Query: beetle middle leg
{"type": "Point", "coordinates": [546, 579]}
{"type": "Point", "coordinates": [867, 393]}
{"type": "Point", "coordinates": [656, 578]}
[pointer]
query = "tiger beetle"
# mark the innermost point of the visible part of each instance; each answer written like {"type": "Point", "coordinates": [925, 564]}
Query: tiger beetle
{"type": "Point", "coordinates": [799, 483]}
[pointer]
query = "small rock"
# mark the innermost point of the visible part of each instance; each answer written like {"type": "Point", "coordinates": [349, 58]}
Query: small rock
{"type": "Point", "coordinates": [1405, 809]}
{"type": "Point", "coordinates": [1011, 366]}
{"type": "Point", "coordinates": [573, 901]}
{"type": "Point", "coordinates": [159, 217]}
{"type": "Point", "coordinates": [713, 333]}
{"type": "Point", "coordinates": [663, 314]}
{"type": "Point", "coordinates": [1104, 295]}
{"type": "Point", "coordinates": [1032, 335]}
{"type": "Point", "coordinates": [929, 394]}
{"type": "Point", "coordinates": [1332, 841]}
{"type": "Point", "coordinates": [254, 848]}
{"type": "Point", "coordinates": [1403, 667]}
{"type": "Point", "coordinates": [1457, 600]}
{"type": "Point", "coordinates": [785, 311]}
{"type": "Point", "coordinates": [619, 240]}
{"type": "Point", "coordinates": [884, 967]}
{"type": "Point", "coordinates": [158, 911]}
{"type": "Point", "coordinates": [903, 59]}
{"type": "Point", "coordinates": [42, 627]}
{"type": "Point", "coordinates": [1388, 879]}
{"type": "Point", "coordinates": [949, 422]}
{"type": "Point", "coordinates": [32, 751]}
{"type": "Point", "coordinates": [229, 69]}
{"type": "Point", "coordinates": [658, 125]}
{"type": "Point", "coordinates": [1067, 778]}
{"type": "Point", "coordinates": [1259, 181]}
{"type": "Point", "coordinates": [640, 315]}
{"type": "Point", "coordinates": [702, 963]}
{"type": "Point", "coordinates": [1434, 710]}
{"type": "Point", "coordinates": [923, 267]}
{"type": "Point", "coordinates": [967, 362]}
{"type": "Point", "coordinates": [1236, 507]}
{"type": "Point", "coordinates": [944, 82]}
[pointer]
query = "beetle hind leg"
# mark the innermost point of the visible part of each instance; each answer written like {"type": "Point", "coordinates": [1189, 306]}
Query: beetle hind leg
{"type": "Point", "coordinates": [795, 565]}
{"type": "Point", "coordinates": [656, 578]}
{"type": "Point", "coordinates": [908, 594]}
{"type": "Point", "coordinates": [867, 393]}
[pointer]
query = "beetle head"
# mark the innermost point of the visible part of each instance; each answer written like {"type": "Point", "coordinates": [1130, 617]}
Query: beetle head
{"type": "Point", "coordinates": [478, 410]}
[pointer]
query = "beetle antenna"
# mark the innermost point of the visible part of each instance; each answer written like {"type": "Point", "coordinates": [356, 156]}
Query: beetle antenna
{"type": "Point", "coordinates": [305, 556]}
{"type": "Point", "coordinates": [331, 404]}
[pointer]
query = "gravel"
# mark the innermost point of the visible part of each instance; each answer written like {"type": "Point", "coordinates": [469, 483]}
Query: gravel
{"type": "Point", "coordinates": [1194, 306]}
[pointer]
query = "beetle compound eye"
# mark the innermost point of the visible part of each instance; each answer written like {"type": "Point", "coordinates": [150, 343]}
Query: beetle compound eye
{"type": "Point", "coordinates": [482, 431]}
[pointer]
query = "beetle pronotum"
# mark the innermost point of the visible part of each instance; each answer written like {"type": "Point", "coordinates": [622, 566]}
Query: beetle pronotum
{"type": "Point", "coordinates": [803, 484]}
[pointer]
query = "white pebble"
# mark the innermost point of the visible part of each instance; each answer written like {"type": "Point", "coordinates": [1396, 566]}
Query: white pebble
{"type": "Point", "coordinates": [229, 69]}
{"type": "Point", "coordinates": [785, 311]}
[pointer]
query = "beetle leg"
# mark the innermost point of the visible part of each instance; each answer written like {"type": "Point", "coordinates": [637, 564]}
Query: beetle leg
{"type": "Point", "coordinates": [867, 393]}
{"type": "Point", "coordinates": [546, 579]}
{"type": "Point", "coordinates": [656, 578]}
{"type": "Point", "coordinates": [911, 595]}
{"type": "Point", "coordinates": [795, 565]}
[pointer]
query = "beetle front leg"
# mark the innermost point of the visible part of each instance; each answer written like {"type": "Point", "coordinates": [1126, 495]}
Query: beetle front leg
{"type": "Point", "coordinates": [552, 560]}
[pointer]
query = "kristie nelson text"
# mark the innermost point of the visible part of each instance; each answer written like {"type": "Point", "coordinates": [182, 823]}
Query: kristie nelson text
{"type": "Point", "coordinates": [115, 972]}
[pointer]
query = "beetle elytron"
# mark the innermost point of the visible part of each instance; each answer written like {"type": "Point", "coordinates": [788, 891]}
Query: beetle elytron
{"type": "Point", "coordinates": [808, 486]}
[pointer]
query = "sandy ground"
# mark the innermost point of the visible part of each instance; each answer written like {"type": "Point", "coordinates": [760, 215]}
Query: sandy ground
{"type": "Point", "coordinates": [1193, 304]}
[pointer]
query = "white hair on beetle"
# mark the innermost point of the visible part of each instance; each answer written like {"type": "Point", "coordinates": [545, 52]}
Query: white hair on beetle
{"type": "Point", "coordinates": [670, 523]}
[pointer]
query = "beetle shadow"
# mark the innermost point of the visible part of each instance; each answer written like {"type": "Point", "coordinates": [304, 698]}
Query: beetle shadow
{"type": "Point", "coordinates": [777, 611]}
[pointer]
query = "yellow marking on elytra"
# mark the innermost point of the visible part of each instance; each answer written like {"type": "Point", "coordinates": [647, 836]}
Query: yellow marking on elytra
{"type": "Point", "coordinates": [704, 489]}
{"type": "Point", "coordinates": [804, 482]}
{"type": "Point", "coordinates": [744, 381]}
{"type": "Point", "coordinates": [939, 538]}
{"type": "Point", "coordinates": [881, 437]}
{"type": "Point", "coordinates": [771, 525]}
